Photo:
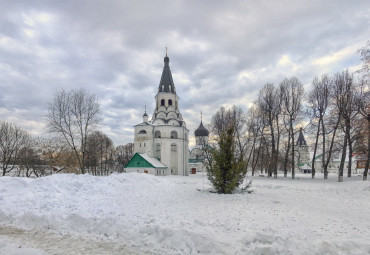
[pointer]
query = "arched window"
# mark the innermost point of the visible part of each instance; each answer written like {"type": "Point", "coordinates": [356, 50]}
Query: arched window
{"type": "Point", "coordinates": [142, 132]}
{"type": "Point", "coordinates": [170, 102]}
{"type": "Point", "coordinates": [174, 134]}
{"type": "Point", "coordinates": [162, 102]}
{"type": "Point", "coordinates": [157, 134]}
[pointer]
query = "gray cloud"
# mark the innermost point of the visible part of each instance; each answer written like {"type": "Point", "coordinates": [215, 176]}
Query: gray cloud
{"type": "Point", "coordinates": [221, 53]}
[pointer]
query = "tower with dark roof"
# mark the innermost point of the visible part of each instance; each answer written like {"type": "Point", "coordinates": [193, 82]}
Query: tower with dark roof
{"type": "Point", "coordinates": [303, 154]}
{"type": "Point", "coordinates": [167, 102]}
{"type": "Point", "coordinates": [165, 136]}
{"type": "Point", "coordinates": [301, 141]}
{"type": "Point", "coordinates": [201, 134]}
{"type": "Point", "coordinates": [197, 156]}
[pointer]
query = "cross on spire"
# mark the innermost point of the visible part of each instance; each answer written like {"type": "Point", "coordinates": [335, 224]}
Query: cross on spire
{"type": "Point", "coordinates": [166, 51]}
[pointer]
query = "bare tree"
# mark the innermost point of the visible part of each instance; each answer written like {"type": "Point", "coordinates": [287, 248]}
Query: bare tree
{"type": "Point", "coordinates": [293, 94]}
{"type": "Point", "coordinates": [123, 154]}
{"type": "Point", "coordinates": [269, 106]}
{"type": "Point", "coordinates": [99, 153]}
{"type": "Point", "coordinates": [12, 141]}
{"type": "Point", "coordinates": [363, 106]}
{"type": "Point", "coordinates": [363, 99]}
{"type": "Point", "coordinates": [57, 155]}
{"type": "Point", "coordinates": [344, 95]}
{"type": "Point", "coordinates": [365, 57]}
{"type": "Point", "coordinates": [28, 161]}
{"type": "Point", "coordinates": [31, 160]}
{"type": "Point", "coordinates": [318, 100]}
{"type": "Point", "coordinates": [72, 115]}
{"type": "Point", "coordinates": [255, 127]}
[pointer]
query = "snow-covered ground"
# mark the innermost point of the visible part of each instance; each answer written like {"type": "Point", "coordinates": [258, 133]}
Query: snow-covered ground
{"type": "Point", "coordinates": [144, 214]}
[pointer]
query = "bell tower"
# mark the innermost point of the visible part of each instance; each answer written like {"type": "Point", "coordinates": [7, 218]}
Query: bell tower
{"type": "Point", "coordinates": [165, 137]}
{"type": "Point", "coordinates": [167, 102]}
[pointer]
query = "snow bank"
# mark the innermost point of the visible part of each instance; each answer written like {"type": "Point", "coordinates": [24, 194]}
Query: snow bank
{"type": "Point", "coordinates": [8, 247]}
{"type": "Point", "coordinates": [169, 215]}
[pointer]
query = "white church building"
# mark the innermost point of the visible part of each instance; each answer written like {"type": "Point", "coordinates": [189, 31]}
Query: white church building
{"type": "Point", "coordinates": [165, 137]}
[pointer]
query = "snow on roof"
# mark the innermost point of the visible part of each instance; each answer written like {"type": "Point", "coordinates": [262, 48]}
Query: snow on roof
{"type": "Point", "coordinates": [155, 162]}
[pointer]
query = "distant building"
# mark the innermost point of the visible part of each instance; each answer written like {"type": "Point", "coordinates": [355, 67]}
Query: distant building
{"type": "Point", "coordinates": [197, 157]}
{"type": "Point", "coordinates": [165, 137]}
{"type": "Point", "coordinates": [302, 154]}
{"type": "Point", "coordinates": [304, 160]}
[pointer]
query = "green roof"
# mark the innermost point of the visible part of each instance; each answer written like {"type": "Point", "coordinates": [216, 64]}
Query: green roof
{"type": "Point", "coordinates": [194, 160]}
{"type": "Point", "coordinates": [143, 160]}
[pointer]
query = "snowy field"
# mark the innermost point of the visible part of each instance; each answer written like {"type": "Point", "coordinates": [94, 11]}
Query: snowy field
{"type": "Point", "coordinates": [144, 214]}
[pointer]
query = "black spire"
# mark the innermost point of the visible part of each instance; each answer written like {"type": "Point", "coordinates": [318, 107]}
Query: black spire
{"type": "Point", "coordinates": [301, 141]}
{"type": "Point", "coordinates": [145, 112]}
{"type": "Point", "coordinates": [166, 84]}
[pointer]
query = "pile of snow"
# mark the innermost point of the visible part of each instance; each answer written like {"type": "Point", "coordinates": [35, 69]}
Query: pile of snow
{"type": "Point", "coordinates": [142, 213]}
{"type": "Point", "coordinates": [9, 248]}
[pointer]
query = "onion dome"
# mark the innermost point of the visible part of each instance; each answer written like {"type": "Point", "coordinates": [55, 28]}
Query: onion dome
{"type": "Point", "coordinates": [201, 130]}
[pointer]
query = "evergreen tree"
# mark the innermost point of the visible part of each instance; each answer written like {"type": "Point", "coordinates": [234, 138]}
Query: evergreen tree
{"type": "Point", "coordinates": [227, 169]}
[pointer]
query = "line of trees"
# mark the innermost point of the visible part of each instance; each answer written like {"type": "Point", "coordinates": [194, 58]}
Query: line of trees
{"type": "Point", "coordinates": [264, 139]}
{"type": "Point", "coordinates": [333, 114]}
{"type": "Point", "coordinates": [24, 156]}
{"type": "Point", "coordinates": [75, 147]}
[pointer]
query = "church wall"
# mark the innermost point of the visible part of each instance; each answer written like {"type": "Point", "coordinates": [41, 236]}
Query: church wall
{"type": "Point", "coordinates": [167, 156]}
{"type": "Point", "coordinates": [146, 143]}
{"type": "Point", "coordinates": [147, 170]}
{"type": "Point", "coordinates": [166, 97]}
{"type": "Point", "coordinates": [143, 143]}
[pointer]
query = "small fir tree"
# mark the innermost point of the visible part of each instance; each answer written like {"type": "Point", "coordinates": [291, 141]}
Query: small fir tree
{"type": "Point", "coordinates": [227, 170]}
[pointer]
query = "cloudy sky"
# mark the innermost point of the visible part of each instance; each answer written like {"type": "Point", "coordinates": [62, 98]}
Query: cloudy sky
{"type": "Point", "coordinates": [221, 53]}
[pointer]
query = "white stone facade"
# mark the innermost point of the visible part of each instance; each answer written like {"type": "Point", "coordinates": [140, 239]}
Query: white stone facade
{"type": "Point", "coordinates": [165, 137]}
{"type": "Point", "coordinates": [168, 143]}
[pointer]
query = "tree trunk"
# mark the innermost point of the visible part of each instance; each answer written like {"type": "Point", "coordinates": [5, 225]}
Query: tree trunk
{"type": "Point", "coordinates": [331, 146]}
{"type": "Point", "coordinates": [286, 157]}
{"type": "Point", "coordinates": [343, 158]}
{"type": "Point", "coordinates": [350, 151]}
{"type": "Point", "coordinates": [250, 155]}
{"type": "Point", "coordinates": [324, 166]}
{"type": "Point", "coordinates": [255, 160]}
{"type": "Point", "coordinates": [272, 167]}
{"type": "Point", "coordinates": [315, 149]}
{"type": "Point", "coordinates": [277, 146]}
{"type": "Point", "coordinates": [292, 132]}
{"type": "Point", "coordinates": [368, 150]}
